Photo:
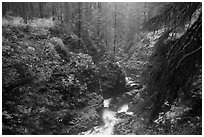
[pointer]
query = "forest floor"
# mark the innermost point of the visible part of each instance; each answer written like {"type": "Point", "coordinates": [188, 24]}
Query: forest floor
{"type": "Point", "coordinates": [29, 49]}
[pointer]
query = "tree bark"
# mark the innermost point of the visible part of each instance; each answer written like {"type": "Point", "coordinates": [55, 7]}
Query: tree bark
{"type": "Point", "coordinates": [41, 9]}
{"type": "Point", "coordinates": [79, 23]}
{"type": "Point", "coordinates": [115, 27]}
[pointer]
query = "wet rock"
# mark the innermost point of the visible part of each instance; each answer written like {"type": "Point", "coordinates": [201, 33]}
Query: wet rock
{"type": "Point", "coordinates": [112, 80]}
{"type": "Point", "coordinates": [57, 41]}
{"type": "Point", "coordinates": [61, 49]}
{"type": "Point", "coordinates": [74, 43]}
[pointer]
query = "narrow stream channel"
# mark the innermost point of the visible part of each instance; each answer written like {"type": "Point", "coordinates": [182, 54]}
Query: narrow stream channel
{"type": "Point", "coordinates": [109, 119]}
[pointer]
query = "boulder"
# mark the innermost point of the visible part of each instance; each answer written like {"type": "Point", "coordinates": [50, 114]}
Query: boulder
{"type": "Point", "coordinates": [112, 80]}
{"type": "Point", "coordinates": [60, 48]}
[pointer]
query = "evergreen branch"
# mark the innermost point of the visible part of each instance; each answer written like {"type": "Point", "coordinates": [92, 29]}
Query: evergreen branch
{"type": "Point", "coordinates": [186, 56]}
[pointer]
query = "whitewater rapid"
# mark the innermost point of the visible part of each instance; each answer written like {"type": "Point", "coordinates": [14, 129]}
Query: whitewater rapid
{"type": "Point", "coordinates": [109, 119]}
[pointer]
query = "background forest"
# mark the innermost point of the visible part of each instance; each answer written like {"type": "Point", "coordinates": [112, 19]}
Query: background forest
{"type": "Point", "coordinates": [61, 60]}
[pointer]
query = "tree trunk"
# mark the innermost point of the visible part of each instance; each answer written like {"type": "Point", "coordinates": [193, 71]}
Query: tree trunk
{"type": "Point", "coordinates": [31, 10]}
{"type": "Point", "coordinates": [115, 27]}
{"type": "Point", "coordinates": [99, 22]}
{"type": "Point", "coordinates": [79, 24]}
{"type": "Point", "coordinates": [41, 9]}
{"type": "Point", "coordinates": [5, 8]}
{"type": "Point", "coordinates": [53, 11]}
{"type": "Point", "coordinates": [24, 11]}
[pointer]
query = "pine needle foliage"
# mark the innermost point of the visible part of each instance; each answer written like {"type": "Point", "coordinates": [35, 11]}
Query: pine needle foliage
{"type": "Point", "coordinates": [176, 63]}
{"type": "Point", "coordinates": [172, 15]}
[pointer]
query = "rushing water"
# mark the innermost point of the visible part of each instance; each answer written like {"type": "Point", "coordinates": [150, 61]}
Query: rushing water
{"type": "Point", "coordinates": [109, 119]}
